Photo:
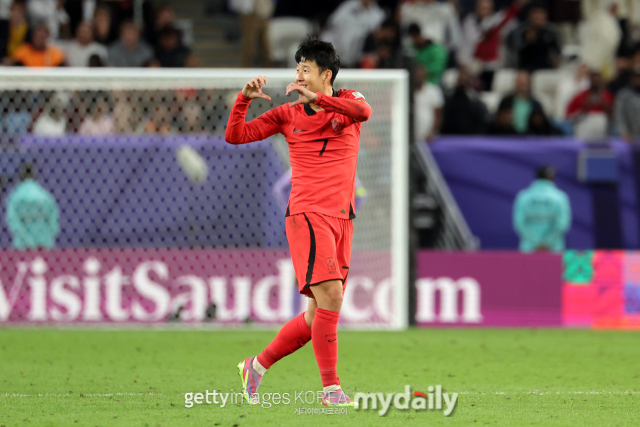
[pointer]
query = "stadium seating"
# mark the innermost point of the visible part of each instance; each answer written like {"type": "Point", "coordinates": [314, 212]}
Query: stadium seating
{"type": "Point", "coordinates": [284, 33]}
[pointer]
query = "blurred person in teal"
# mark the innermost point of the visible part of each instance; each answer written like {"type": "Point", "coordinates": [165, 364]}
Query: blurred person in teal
{"type": "Point", "coordinates": [542, 214]}
{"type": "Point", "coordinates": [32, 213]}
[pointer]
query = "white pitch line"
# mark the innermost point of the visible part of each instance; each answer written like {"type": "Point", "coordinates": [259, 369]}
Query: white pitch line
{"type": "Point", "coordinates": [534, 392]}
{"type": "Point", "coordinates": [83, 394]}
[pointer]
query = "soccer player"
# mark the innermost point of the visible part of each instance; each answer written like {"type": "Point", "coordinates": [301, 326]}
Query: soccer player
{"type": "Point", "coordinates": [322, 128]}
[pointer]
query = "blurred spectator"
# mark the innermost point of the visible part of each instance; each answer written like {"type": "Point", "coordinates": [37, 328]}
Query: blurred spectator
{"type": "Point", "coordinates": [122, 117]}
{"type": "Point", "coordinates": [14, 32]}
{"type": "Point", "coordinates": [5, 6]}
{"type": "Point", "coordinates": [627, 109]}
{"type": "Point", "coordinates": [482, 35]}
{"type": "Point", "coordinates": [428, 102]}
{"type": "Point", "coordinates": [439, 20]}
{"type": "Point", "coordinates": [597, 100]}
{"type": "Point", "coordinates": [163, 17]}
{"type": "Point", "coordinates": [599, 39]}
{"type": "Point", "coordinates": [521, 103]}
{"type": "Point", "coordinates": [52, 121]}
{"type": "Point", "coordinates": [170, 51]}
{"type": "Point", "coordinates": [79, 51]}
{"type": "Point", "coordinates": [79, 11]}
{"type": "Point", "coordinates": [99, 122]}
{"type": "Point", "coordinates": [32, 213]}
{"type": "Point", "coordinates": [50, 12]}
{"type": "Point", "coordinates": [565, 15]}
{"type": "Point", "coordinates": [348, 27]}
{"type": "Point", "coordinates": [159, 122]}
{"type": "Point", "coordinates": [502, 124]}
{"type": "Point", "coordinates": [129, 51]}
{"type": "Point", "coordinates": [96, 61]}
{"type": "Point", "coordinates": [542, 214]}
{"type": "Point", "coordinates": [569, 85]}
{"type": "Point", "coordinates": [539, 125]}
{"type": "Point", "coordinates": [624, 65]}
{"type": "Point", "coordinates": [464, 112]}
{"type": "Point", "coordinates": [432, 56]}
{"type": "Point", "coordinates": [535, 45]}
{"type": "Point", "coordinates": [254, 24]}
{"type": "Point", "coordinates": [127, 113]}
{"type": "Point", "coordinates": [382, 47]}
{"type": "Point", "coordinates": [625, 12]}
{"type": "Point", "coordinates": [192, 118]}
{"type": "Point", "coordinates": [318, 11]}
{"type": "Point", "coordinates": [104, 29]}
{"type": "Point", "coordinates": [39, 52]}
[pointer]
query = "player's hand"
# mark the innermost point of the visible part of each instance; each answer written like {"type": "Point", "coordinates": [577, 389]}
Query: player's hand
{"type": "Point", "coordinates": [253, 88]}
{"type": "Point", "coordinates": [305, 95]}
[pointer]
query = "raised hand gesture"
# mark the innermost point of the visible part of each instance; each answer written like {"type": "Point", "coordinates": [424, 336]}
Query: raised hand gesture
{"type": "Point", "coordinates": [253, 88]}
{"type": "Point", "coordinates": [305, 95]}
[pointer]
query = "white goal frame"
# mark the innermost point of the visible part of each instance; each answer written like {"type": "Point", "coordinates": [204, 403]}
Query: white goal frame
{"type": "Point", "coordinates": [22, 78]}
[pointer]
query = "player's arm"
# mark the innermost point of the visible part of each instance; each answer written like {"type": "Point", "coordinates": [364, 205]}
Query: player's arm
{"type": "Point", "coordinates": [269, 123]}
{"type": "Point", "coordinates": [357, 109]}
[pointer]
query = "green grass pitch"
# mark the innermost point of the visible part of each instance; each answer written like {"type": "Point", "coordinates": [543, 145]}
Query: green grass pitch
{"type": "Point", "coordinates": [505, 377]}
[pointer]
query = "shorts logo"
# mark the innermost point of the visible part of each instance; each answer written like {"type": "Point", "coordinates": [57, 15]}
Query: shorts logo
{"type": "Point", "coordinates": [331, 265]}
{"type": "Point", "coordinates": [336, 124]}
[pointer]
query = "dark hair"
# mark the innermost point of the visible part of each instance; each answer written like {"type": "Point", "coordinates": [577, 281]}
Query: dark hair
{"type": "Point", "coordinates": [546, 172]}
{"type": "Point", "coordinates": [128, 23]}
{"type": "Point", "coordinates": [95, 61]}
{"type": "Point", "coordinates": [27, 171]}
{"type": "Point", "coordinates": [414, 29]}
{"type": "Point", "coordinates": [168, 31]}
{"type": "Point", "coordinates": [323, 53]}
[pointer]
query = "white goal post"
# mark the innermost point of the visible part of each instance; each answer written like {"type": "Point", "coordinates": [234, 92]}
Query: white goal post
{"type": "Point", "coordinates": [380, 273]}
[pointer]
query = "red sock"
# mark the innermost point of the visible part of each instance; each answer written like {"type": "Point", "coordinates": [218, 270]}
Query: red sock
{"type": "Point", "coordinates": [325, 345]}
{"type": "Point", "coordinates": [294, 335]}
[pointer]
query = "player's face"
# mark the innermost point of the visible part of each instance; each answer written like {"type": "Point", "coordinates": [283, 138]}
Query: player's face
{"type": "Point", "coordinates": [308, 75]}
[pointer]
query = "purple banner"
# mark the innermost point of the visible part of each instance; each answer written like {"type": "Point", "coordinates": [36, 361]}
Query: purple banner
{"type": "Point", "coordinates": [486, 173]}
{"type": "Point", "coordinates": [153, 285]}
{"type": "Point", "coordinates": [489, 289]}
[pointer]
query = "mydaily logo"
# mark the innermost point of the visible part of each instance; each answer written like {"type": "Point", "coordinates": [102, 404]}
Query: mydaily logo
{"type": "Point", "coordinates": [418, 400]}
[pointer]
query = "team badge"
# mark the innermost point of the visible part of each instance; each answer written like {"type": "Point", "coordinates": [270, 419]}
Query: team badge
{"type": "Point", "coordinates": [357, 95]}
{"type": "Point", "coordinates": [336, 124]}
{"type": "Point", "coordinates": [331, 265]}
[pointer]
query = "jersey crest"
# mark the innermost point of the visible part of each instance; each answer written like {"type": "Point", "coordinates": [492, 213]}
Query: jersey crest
{"type": "Point", "coordinates": [336, 124]}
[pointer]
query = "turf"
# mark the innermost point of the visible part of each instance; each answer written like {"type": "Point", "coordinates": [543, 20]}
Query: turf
{"type": "Point", "coordinates": [506, 377]}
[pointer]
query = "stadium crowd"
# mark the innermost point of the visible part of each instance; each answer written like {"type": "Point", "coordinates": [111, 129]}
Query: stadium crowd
{"type": "Point", "coordinates": [497, 67]}
{"type": "Point", "coordinates": [90, 33]}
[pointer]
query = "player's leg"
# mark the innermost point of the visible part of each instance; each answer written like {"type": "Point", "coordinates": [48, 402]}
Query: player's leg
{"type": "Point", "coordinates": [293, 336]}
{"type": "Point", "coordinates": [324, 336]}
{"type": "Point", "coordinates": [297, 332]}
{"type": "Point", "coordinates": [328, 295]}
{"type": "Point", "coordinates": [311, 311]}
{"type": "Point", "coordinates": [324, 332]}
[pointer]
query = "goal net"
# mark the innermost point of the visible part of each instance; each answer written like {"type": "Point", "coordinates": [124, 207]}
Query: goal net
{"type": "Point", "coordinates": [142, 212]}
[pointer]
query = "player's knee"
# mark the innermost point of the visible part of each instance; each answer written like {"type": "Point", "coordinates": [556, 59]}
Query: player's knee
{"type": "Point", "coordinates": [334, 295]}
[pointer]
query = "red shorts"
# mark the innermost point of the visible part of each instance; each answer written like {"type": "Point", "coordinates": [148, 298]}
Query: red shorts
{"type": "Point", "coordinates": [320, 248]}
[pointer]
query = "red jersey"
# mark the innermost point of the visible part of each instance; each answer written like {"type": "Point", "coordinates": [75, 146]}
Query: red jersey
{"type": "Point", "coordinates": [584, 103]}
{"type": "Point", "coordinates": [323, 148]}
